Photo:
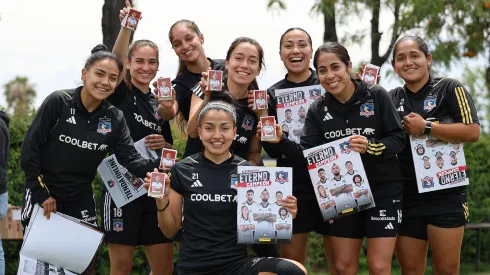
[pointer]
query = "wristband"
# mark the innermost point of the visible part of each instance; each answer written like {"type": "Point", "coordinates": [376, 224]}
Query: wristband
{"type": "Point", "coordinates": [428, 128]}
{"type": "Point", "coordinates": [161, 210]}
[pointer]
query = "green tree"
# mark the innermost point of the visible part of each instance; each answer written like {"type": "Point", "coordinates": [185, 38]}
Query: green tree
{"type": "Point", "coordinates": [19, 124]}
{"type": "Point", "coordinates": [474, 80]}
{"type": "Point", "coordinates": [19, 94]}
{"type": "Point", "coordinates": [465, 24]}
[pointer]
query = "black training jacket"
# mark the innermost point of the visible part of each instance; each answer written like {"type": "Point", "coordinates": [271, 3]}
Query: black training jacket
{"type": "Point", "coordinates": [369, 112]}
{"type": "Point", "coordinates": [65, 144]}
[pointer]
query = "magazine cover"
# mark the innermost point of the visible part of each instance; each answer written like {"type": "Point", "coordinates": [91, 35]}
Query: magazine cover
{"type": "Point", "coordinates": [338, 177]}
{"type": "Point", "coordinates": [261, 218]}
{"type": "Point", "coordinates": [292, 106]}
{"type": "Point", "coordinates": [438, 164]}
{"type": "Point", "coordinates": [123, 185]}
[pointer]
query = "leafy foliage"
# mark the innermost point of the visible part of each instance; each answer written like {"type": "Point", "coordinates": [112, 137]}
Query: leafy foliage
{"type": "Point", "coordinates": [456, 29]}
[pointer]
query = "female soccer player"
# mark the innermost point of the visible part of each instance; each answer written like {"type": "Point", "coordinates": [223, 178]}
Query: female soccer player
{"type": "Point", "coordinates": [436, 217]}
{"type": "Point", "coordinates": [187, 41]}
{"type": "Point", "coordinates": [377, 136]}
{"type": "Point", "coordinates": [244, 61]}
{"type": "Point", "coordinates": [295, 50]}
{"type": "Point", "coordinates": [70, 135]}
{"type": "Point", "coordinates": [133, 96]}
{"type": "Point", "coordinates": [209, 236]}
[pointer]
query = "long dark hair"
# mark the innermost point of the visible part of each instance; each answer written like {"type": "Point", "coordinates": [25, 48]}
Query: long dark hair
{"type": "Point", "coordinates": [180, 120]}
{"type": "Point", "coordinates": [189, 24]}
{"type": "Point", "coordinates": [253, 85]}
{"type": "Point", "coordinates": [134, 46]}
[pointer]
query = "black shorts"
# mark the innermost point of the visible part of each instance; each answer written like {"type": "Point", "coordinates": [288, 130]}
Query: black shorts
{"type": "Point", "coordinates": [309, 218]}
{"type": "Point", "coordinates": [451, 214]}
{"type": "Point", "coordinates": [380, 221]}
{"type": "Point", "coordinates": [83, 209]}
{"type": "Point", "coordinates": [133, 224]}
{"type": "Point", "coordinates": [255, 265]}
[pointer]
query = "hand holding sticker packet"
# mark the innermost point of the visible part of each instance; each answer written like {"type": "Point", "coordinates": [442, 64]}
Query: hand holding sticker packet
{"type": "Point", "coordinates": [164, 89]}
{"type": "Point", "coordinates": [129, 17]}
{"type": "Point", "coordinates": [157, 184]}
{"type": "Point", "coordinates": [214, 80]}
{"type": "Point", "coordinates": [260, 100]}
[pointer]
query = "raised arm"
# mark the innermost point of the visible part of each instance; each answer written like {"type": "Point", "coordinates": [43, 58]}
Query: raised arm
{"type": "Point", "coordinates": [121, 46]}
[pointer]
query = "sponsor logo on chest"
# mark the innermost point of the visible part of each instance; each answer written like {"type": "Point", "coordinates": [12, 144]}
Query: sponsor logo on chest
{"type": "Point", "coordinates": [147, 123]}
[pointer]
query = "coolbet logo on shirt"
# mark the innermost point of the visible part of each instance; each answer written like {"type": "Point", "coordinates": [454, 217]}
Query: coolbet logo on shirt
{"type": "Point", "coordinates": [82, 144]}
{"type": "Point", "coordinates": [367, 109]}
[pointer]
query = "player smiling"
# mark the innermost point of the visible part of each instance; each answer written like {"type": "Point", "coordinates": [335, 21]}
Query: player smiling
{"type": "Point", "coordinates": [209, 236]}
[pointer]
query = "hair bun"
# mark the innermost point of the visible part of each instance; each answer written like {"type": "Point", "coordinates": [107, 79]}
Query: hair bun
{"type": "Point", "coordinates": [100, 48]}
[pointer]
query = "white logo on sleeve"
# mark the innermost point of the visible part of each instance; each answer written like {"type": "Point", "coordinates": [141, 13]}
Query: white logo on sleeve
{"type": "Point", "coordinates": [399, 216]}
{"type": "Point", "coordinates": [389, 226]}
{"type": "Point", "coordinates": [197, 183]}
{"type": "Point", "coordinates": [368, 131]}
{"type": "Point", "coordinates": [103, 147]}
{"type": "Point", "coordinates": [71, 120]}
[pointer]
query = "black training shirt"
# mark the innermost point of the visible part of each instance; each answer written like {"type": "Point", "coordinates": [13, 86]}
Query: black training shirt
{"type": "Point", "coordinates": [328, 120]}
{"type": "Point", "coordinates": [444, 101]}
{"type": "Point", "coordinates": [209, 239]}
{"type": "Point", "coordinates": [302, 187]}
{"type": "Point", "coordinates": [140, 112]}
{"type": "Point", "coordinates": [183, 85]}
{"type": "Point", "coordinates": [65, 144]}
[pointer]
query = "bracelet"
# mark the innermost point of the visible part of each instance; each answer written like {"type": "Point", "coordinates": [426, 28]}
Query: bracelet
{"type": "Point", "coordinates": [160, 210]}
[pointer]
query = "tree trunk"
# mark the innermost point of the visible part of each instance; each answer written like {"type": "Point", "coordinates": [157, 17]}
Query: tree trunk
{"type": "Point", "coordinates": [376, 59]}
{"type": "Point", "coordinates": [110, 21]}
{"type": "Point", "coordinates": [330, 30]}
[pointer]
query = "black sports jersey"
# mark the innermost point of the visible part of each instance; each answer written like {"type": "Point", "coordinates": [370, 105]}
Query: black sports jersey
{"type": "Point", "coordinates": [444, 101]}
{"type": "Point", "coordinates": [209, 237]}
{"type": "Point", "coordinates": [247, 122]}
{"type": "Point", "coordinates": [369, 112]}
{"type": "Point", "coordinates": [183, 85]}
{"type": "Point", "coordinates": [141, 112]}
{"type": "Point", "coordinates": [302, 186]}
{"type": "Point", "coordinates": [65, 144]}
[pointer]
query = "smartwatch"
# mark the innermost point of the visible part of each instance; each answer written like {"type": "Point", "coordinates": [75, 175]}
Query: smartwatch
{"type": "Point", "coordinates": [428, 128]}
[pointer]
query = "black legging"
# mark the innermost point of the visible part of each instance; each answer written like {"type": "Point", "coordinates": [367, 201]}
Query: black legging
{"type": "Point", "coordinates": [281, 267]}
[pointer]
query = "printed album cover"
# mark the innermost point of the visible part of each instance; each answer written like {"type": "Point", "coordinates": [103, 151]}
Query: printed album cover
{"type": "Point", "coordinates": [338, 177]}
{"type": "Point", "coordinates": [438, 164]}
{"type": "Point", "coordinates": [292, 104]}
{"type": "Point", "coordinates": [261, 218]}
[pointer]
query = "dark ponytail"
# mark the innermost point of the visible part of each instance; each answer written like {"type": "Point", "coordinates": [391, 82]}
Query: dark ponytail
{"type": "Point", "coordinates": [100, 52]}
